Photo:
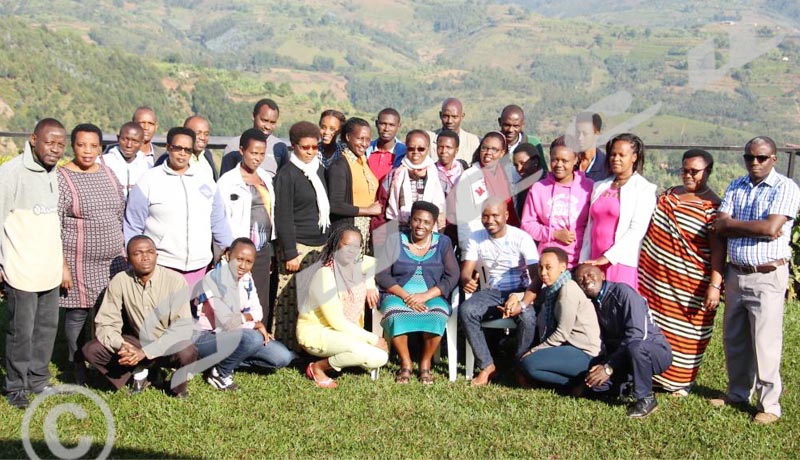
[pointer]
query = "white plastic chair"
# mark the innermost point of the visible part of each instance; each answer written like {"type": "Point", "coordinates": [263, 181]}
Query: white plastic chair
{"type": "Point", "coordinates": [451, 330]}
{"type": "Point", "coordinates": [501, 323]}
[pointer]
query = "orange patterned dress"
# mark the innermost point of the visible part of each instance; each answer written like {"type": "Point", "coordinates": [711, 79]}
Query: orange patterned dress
{"type": "Point", "coordinates": [674, 274]}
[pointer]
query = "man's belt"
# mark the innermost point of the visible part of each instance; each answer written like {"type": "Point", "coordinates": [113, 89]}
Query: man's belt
{"type": "Point", "coordinates": [763, 268]}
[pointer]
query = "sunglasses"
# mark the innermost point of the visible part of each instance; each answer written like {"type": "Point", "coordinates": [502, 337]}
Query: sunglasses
{"type": "Point", "coordinates": [416, 149]}
{"type": "Point", "coordinates": [178, 148]}
{"type": "Point", "coordinates": [692, 172]}
{"type": "Point", "coordinates": [760, 158]}
{"type": "Point", "coordinates": [307, 148]}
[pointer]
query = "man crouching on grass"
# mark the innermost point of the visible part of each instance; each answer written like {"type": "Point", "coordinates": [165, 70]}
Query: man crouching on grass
{"type": "Point", "coordinates": [144, 321]}
{"type": "Point", "coordinates": [635, 349]}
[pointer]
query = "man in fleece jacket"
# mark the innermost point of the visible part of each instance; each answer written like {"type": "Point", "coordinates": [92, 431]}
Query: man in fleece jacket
{"type": "Point", "coordinates": [31, 259]}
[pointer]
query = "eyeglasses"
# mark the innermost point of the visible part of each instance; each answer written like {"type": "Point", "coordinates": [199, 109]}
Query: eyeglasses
{"type": "Point", "coordinates": [489, 149]}
{"type": "Point", "coordinates": [760, 158]}
{"type": "Point", "coordinates": [178, 148]}
{"type": "Point", "coordinates": [692, 172]}
{"type": "Point", "coordinates": [308, 148]}
{"type": "Point", "coordinates": [416, 149]}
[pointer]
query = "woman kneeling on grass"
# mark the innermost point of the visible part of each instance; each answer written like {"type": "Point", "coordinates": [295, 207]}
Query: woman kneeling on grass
{"type": "Point", "coordinates": [230, 318]}
{"type": "Point", "coordinates": [567, 322]}
{"type": "Point", "coordinates": [331, 321]}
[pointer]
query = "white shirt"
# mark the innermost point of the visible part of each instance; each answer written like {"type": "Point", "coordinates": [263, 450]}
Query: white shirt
{"type": "Point", "coordinates": [127, 173]}
{"type": "Point", "coordinates": [505, 259]}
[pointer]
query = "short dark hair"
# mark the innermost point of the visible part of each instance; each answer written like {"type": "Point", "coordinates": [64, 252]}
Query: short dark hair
{"type": "Point", "coordinates": [426, 206]}
{"type": "Point", "coordinates": [178, 131]}
{"type": "Point", "coordinates": [130, 125]}
{"type": "Point", "coordinates": [419, 132]}
{"type": "Point", "coordinates": [143, 107]}
{"type": "Point", "coordinates": [476, 155]}
{"type": "Point", "coordinates": [85, 128]}
{"type": "Point", "coordinates": [351, 125]}
{"type": "Point", "coordinates": [694, 153]}
{"type": "Point", "coordinates": [241, 240]}
{"type": "Point", "coordinates": [594, 118]}
{"type": "Point", "coordinates": [761, 140]}
{"type": "Point", "coordinates": [136, 238]}
{"type": "Point", "coordinates": [528, 149]}
{"type": "Point", "coordinates": [46, 123]}
{"type": "Point", "coordinates": [303, 129]}
{"type": "Point", "coordinates": [638, 148]}
{"type": "Point", "coordinates": [192, 117]}
{"type": "Point", "coordinates": [389, 111]}
{"type": "Point", "coordinates": [251, 134]}
{"type": "Point", "coordinates": [567, 141]}
{"type": "Point", "coordinates": [451, 134]}
{"type": "Point", "coordinates": [561, 254]}
{"type": "Point", "coordinates": [268, 102]}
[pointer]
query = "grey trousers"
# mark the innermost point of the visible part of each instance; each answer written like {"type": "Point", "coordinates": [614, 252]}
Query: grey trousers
{"type": "Point", "coordinates": [753, 336]}
{"type": "Point", "coordinates": [32, 328]}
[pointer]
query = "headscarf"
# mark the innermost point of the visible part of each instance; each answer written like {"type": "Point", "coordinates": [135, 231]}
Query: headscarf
{"type": "Point", "coordinates": [401, 186]}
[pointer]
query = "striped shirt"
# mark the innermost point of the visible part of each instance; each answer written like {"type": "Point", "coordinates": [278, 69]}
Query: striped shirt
{"type": "Point", "coordinates": [776, 194]}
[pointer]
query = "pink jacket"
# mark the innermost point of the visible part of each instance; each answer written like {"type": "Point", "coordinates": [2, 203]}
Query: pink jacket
{"type": "Point", "coordinates": [551, 206]}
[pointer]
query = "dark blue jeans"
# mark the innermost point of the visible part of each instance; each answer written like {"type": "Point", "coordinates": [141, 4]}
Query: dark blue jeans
{"type": "Point", "coordinates": [482, 306]}
{"type": "Point", "coordinates": [563, 365]}
{"type": "Point", "coordinates": [644, 359]}
{"type": "Point", "coordinates": [250, 351]}
{"type": "Point", "coordinates": [32, 328]}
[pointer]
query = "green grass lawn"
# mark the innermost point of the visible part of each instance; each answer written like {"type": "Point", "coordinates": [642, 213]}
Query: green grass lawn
{"type": "Point", "coordinates": [283, 415]}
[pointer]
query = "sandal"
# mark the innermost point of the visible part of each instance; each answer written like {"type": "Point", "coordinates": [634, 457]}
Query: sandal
{"type": "Point", "coordinates": [425, 377]}
{"type": "Point", "coordinates": [403, 376]}
{"type": "Point", "coordinates": [324, 383]}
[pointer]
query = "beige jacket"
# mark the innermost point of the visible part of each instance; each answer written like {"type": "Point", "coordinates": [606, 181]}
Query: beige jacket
{"type": "Point", "coordinates": [157, 312]}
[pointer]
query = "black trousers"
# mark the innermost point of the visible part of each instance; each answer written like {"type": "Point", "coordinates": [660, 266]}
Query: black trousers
{"type": "Point", "coordinates": [32, 328]}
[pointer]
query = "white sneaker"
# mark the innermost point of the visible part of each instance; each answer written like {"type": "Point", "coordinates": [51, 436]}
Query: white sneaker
{"type": "Point", "coordinates": [219, 382]}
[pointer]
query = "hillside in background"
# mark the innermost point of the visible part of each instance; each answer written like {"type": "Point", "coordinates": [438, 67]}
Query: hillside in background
{"type": "Point", "coordinates": [98, 60]}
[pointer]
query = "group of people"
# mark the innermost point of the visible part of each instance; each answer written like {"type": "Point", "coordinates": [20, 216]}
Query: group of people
{"type": "Point", "coordinates": [610, 287]}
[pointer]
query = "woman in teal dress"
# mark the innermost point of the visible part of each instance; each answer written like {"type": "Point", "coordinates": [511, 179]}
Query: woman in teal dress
{"type": "Point", "coordinates": [416, 287]}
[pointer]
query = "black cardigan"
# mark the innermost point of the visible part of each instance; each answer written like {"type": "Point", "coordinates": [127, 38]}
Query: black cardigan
{"type": "Point", "coordinates": [340, 192]}
{"type": "Point", "coordinates": [296, 211]}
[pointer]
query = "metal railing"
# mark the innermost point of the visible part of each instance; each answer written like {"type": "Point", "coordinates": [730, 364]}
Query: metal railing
{"type": "Point", "coordinates": [214, 142]}
{"type": "Point", "coordinates": [220, 142]}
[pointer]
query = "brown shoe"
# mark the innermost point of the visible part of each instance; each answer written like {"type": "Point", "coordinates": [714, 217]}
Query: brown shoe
{"type": "Point", "coordinates": [765, 418]}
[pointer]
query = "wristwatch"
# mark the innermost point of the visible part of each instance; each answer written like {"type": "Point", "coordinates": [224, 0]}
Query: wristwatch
{"type": "Point", "coordinates": [608, 370]}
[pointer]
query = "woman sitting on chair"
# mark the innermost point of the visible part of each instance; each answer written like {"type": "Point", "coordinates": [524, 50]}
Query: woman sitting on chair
{"type": "Point", "coordinates": [418, 283]}
{"type": "Point", "coordinates": [567, 324]}
{"type": "Point", "coordinates": [331, 321]}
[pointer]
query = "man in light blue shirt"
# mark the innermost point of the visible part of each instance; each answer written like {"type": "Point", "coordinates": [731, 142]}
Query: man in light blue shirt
{"type": "Point", "coordinates": [756, 216]}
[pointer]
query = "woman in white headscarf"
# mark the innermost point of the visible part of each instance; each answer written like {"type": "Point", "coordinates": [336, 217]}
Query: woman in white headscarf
{"type": "Point", "coordinates": [415, 179]}
{"type": "Point", "coordinates": [331, 321]}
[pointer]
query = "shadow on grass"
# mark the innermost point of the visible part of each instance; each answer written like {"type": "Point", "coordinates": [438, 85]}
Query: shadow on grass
{"type": "Point", "coordinates": [15, 449]}
{"type": "Point", "coordinates": [709, 393]}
